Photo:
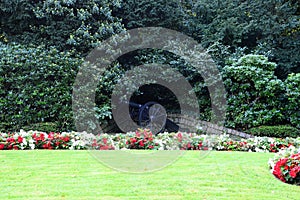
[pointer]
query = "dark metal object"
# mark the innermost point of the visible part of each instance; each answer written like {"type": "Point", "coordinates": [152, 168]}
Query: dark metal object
{"type": "Point", "coordinates": [153, 116]}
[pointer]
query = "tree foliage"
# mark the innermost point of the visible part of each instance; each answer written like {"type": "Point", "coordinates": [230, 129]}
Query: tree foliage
{"type": "Point", "coordinates": [36, 85]}
{"type": "Point", "coordinates": [246, 39]}
{"type": "Point", "coordinates": [65, 24]}
{"type": "Point", "coordinates": [255, 94]}
{"type": "Point", "coordinates": [269, 27]}
{"type": "Point", "coordinates": [292, 84]}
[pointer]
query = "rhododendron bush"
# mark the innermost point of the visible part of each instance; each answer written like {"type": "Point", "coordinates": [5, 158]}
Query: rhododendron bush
{"type": "Point", "coordinates": [140, 139]}
{"type": "Point", "coordinates": [286, 165]}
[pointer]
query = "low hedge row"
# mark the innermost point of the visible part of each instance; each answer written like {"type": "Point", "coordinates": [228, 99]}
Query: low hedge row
{"type": "Point", "coordinates": [275, 131]}
{"type": "Point", "coordinates": [141, 139]}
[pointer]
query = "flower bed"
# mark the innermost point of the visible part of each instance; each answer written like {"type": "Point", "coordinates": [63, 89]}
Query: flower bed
{"type": "Point", "coordinates": [141, 139]}
{"type": "Point", "coordinates": [286, 165]}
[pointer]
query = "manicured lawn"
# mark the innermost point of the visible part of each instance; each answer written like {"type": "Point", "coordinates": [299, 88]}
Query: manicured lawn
{"type": "Point", "coordinates": [78, 175]}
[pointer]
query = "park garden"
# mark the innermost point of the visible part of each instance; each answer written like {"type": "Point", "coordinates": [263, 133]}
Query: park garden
{"type": "Point", "coordinates": [254, 45]}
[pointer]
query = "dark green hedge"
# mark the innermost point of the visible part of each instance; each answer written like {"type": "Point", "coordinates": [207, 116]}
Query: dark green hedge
{"type": "Point", "coordinates": [275, 131]}
{"type": "Point", "coordinates": [45, 127]}
{"type": "Point", "coordinates": [36, 86]}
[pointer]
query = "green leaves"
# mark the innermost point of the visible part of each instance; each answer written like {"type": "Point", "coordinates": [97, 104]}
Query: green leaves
{"type": "Point", "coordinates": [254, 93]}
{"type": "Point", "coordinates": [292, 84]}
{"type": "Point", "coordinates": [65, 24]}
{"type": "Point", "coordinates": [36, 85]}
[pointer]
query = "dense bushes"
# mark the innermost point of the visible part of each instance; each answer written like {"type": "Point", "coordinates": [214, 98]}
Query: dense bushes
{"type": "Point", "coordinates": [227, 28]}
{"type": "Point", "coordinates": [292, 84]}
{"type": "Point", "coordinates": [255, 95]}
{"type": "Point", "coordinates": [36, 85]}
{"type": "Point", "coordinates": [274, 131]}
{"type": "Point", "coordinates": [45, 126]}
{"type": "Point", "coordinates": [266, 27]}
{"type": "Point", "coordinates": [64, 24]}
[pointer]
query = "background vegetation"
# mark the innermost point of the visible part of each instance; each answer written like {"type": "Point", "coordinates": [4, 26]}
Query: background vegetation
{"type": "Point", "coordinates": [255, 45]}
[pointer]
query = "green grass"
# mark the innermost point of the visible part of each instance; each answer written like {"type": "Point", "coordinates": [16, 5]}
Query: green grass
{"type": "Point", "coordinates": [78, 175]}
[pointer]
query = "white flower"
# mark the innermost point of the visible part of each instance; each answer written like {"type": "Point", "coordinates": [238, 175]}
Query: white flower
{"type": "Point", "coordinates": [24, 141]}
{"type": "Point", "coordinates": [32, 146]}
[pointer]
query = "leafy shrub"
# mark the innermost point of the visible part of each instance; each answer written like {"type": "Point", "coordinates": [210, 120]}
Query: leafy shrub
{"type": "Point", "coordinates": [235, 24]}
{"type": "Point", "coordinates": [64, 24]}
{"type": "Point", "coordinates": [292, 84]}
{"type": "Point", "coordinates": [45, 126]}
{"type": "Point", "coordinates": [36, 86]}
{"type": "Point", "coordinates": [254, 93]}
{"type": "Point", "coordinates": [280, 131]}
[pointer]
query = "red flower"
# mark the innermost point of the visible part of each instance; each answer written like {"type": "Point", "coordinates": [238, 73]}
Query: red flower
{"type": "Point", "coordinates": [47, 146]}
{"type": "Point", "coordinates": [141, 143]}
{"type": "Point", "coordinates": [179, 136]}
{"type": "Point", "coordinates": [296, 156]}
{"type": "Point", "coordinates": [20, 139]}
{"type": "Point", "coordinates": [132, 140]}
{"type": "Point", "coordinates": [137, 134]}
{"type": "Point", "coordinates": [66, 139]}
{"type": "Point", "coordinates": [277, 169]}
{"type": "Point", "coordinates": [42, 136]}
{"type": "Point", "coordinates": [51, 135]}
{"type": "Point", "coordinates": [10, 140]}
{"type": "Point", "coordinates": [188, 145]}
{"type": "Point", "coordinates": [294, 171]}
{"type": "Point", "coordinates": [2, 146]}
{"type": "Point", "coordinates": [103, 147]}
{"type": "Point", "coordinates": [94, 144]}
{"type": "Point", "coordinates": [16, 147]}
{"type": "Point", "coordinates": [145, 133]}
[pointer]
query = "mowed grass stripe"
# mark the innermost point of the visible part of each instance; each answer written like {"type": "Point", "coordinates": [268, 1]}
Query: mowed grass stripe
{"type": "Point", "coordinates": [77, 175]}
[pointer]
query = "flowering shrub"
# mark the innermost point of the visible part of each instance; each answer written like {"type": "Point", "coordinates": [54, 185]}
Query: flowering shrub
{"type": "Point", "coordinates": [286, 165]}
{"type": "Point", "coordinates": [103, 142]}
{"type": "Point", "coordinates": [141, 139]}
{"type": "Point", "coordinates": [41, 140]}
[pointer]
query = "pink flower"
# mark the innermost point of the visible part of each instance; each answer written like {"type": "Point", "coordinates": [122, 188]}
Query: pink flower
{"type": "Point", "coordinates": [105, 140]}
